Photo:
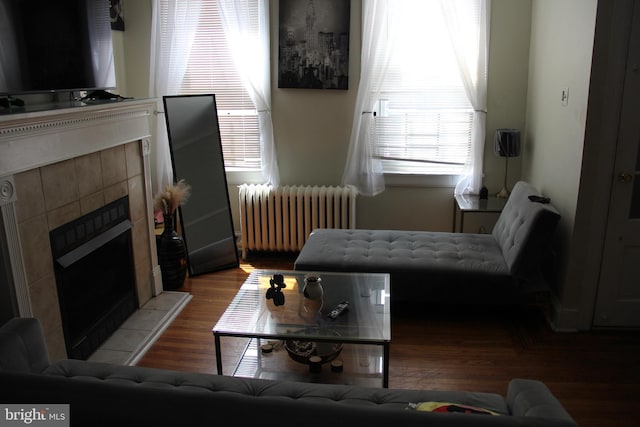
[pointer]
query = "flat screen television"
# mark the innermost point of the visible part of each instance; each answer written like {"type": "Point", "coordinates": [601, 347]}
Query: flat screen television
{"type": "Point", "coordinates": [55, 46]}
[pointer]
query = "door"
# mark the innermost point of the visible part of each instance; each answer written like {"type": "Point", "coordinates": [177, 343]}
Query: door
{"type": "Point", "coordinates": [618, 300]}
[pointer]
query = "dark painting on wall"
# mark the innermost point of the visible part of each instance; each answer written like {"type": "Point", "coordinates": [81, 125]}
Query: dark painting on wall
{"type": "Point", "coordinates": [117, 15]}
{"type": "Point", "coordinates": [314, 44]}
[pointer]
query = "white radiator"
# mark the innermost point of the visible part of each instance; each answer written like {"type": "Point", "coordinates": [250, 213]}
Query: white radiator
{"type": "Point", "coordinates": [280, 219]}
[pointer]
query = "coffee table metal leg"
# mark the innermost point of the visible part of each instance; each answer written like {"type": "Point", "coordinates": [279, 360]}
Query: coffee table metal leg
{"type": "Point", "coordinates": [385, 366]}
{"type": "Point", "coordinates": [216, 338]}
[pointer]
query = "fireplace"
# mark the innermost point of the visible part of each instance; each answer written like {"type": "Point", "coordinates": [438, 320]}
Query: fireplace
{"type": "Point", "coordinates": [57, 166]}
{"type": "Point", "coordinates": [95, 276]}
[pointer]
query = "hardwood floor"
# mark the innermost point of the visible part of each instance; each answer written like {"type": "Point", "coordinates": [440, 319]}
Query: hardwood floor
{"type": "Point", "coordinates": [596, 375]}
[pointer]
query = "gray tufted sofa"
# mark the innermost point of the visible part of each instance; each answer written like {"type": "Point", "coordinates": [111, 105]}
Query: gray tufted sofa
{"type": "Point", "coordinates": [504, 266]}
{"type": "Point", "coordinates": [101, 394]}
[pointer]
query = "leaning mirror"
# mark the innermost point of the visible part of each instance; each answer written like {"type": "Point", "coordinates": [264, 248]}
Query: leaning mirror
{"type": "Point", "coordinates": [196, 156]}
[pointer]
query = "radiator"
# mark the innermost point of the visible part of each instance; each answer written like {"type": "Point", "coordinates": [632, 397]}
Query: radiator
{"type": "Point", "coordinates": [280, 219]}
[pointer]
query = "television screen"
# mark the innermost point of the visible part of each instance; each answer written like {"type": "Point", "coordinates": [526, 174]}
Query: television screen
{"type": "Point", "coordinates": [50, 46]}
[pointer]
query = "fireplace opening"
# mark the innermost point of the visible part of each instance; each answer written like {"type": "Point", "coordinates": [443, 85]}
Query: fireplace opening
{"type": "Point", "coordinates": [95, 276]}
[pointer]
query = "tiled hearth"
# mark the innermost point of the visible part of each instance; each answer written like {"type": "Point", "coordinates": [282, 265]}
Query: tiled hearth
{"type": "Point", "coordinates": [58, 165]}
{"type": "Point", "coordinates": [129, 343]}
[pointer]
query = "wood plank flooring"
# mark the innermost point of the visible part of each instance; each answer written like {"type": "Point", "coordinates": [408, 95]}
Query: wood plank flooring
{"type": "Point", "coordinates": [596, 375]}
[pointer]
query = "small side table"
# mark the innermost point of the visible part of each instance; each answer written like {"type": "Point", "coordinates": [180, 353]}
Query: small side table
{"type": "Point", "coordinates": [482, 214]}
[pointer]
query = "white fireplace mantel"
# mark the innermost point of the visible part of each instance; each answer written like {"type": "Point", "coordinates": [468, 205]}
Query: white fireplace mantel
{"type": "Point", "coordinates": [32, 140]}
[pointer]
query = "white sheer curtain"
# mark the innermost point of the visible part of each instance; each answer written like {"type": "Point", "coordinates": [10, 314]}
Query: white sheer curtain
{"type": "Point", "coordinates": [363, 170]}
{"type": "Point", "coordinates": [169, 57]}
{"type": "Point", "coordinates": [472, 52]}
{"type": "Point", "coordinates": [250, 50]}
{"type": "Point", "coordinates": [378, 42]}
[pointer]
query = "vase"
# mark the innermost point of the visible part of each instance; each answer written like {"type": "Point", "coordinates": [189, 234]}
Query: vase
{"type": "Point", "coordinates": [313, 288]}
{"type": "Point", "coordinates": [172, 256]}
{"type": "Point", "coordinates": [312, 298]}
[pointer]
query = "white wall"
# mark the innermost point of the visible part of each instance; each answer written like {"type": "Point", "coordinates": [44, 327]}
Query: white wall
{"type": "Point", "coordinates": [135, 53]}
{"type": "Point", "coordinates": [562, 34]}
{"type": "Point", "coordinates": [508, 74]}
{"type": "Point", "coordinates": [538, 48]}
{"type": "Point", "coordinates": [312, 127]}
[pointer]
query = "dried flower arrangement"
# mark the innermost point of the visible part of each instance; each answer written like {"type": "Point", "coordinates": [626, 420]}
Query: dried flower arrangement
{"type": "Point", "coordinates": [173, 195]}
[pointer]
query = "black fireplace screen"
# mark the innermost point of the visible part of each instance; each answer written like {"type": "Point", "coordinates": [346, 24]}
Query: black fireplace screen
{"type": "Point", "coordinates": [95, 276]}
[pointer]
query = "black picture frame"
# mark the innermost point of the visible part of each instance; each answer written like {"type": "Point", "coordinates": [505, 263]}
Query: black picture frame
{"type": "Point", "coordinates": [313, 44]}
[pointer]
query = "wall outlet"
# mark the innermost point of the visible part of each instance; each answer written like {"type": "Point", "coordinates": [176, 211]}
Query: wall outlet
{"type": "Point", "coordinates": [564, 99]}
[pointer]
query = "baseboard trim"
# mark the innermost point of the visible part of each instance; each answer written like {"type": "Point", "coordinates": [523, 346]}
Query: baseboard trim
{"type": "Point", "coordinates": [563, 319]}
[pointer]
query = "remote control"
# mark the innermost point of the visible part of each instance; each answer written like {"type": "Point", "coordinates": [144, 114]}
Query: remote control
{"type": "Point", "coordinates": [339, 309]}
{"type": "Point", "coordinates": [539, 199]}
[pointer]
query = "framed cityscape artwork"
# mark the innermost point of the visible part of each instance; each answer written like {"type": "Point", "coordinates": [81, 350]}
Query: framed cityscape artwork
{"type": "Point", "coordinates": [314, 44]}
{"type": "Point", "coordinates": [117, 19]}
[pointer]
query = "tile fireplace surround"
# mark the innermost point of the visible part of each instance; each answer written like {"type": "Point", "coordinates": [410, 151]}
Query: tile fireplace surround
{"type": "Point", "coordinates": [59, 164]}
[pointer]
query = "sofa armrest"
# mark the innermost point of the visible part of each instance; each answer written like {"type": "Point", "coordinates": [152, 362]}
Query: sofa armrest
{"type": "Point", "coordinates": [524, 230]}
{"type": "Point", "coordinates": [530, 398]}
{"type": "Point", "coordinates": [22, 346]}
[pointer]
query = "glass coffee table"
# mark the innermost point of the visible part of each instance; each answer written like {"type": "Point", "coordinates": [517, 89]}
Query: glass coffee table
{"type": "Point", "coordinates": [281, 340]}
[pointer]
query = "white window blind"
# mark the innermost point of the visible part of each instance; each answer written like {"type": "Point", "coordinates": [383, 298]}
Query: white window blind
{"type": "Point", "coordinates": [210, 69]}
{"type": "Point", "coordinates": [424, 118]}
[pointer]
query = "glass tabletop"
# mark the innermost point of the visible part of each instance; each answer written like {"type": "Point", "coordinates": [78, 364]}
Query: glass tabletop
{"type": "Point", "coordinates": [367, 320]}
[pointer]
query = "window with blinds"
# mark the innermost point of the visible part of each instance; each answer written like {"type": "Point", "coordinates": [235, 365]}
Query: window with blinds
{"type": "Point", "coordinates": [424, 118]}
{"type": "Point", "coordinates": [211, 69]}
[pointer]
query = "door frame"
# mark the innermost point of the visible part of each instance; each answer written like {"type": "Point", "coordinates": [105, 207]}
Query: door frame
{"type": "Point", "coordinates": [626, 159]}
{"type": "Point", "coordinates": [610, 51]}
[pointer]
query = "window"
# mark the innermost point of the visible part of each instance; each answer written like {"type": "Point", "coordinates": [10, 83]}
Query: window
{"type": "Point", "coordinates": [424, 118]}
{"type": "Point", "coordinates": [210, 69]}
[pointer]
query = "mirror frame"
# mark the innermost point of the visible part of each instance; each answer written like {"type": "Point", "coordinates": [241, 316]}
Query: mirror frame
{"type": "Point", "coordinates": [202, 259]}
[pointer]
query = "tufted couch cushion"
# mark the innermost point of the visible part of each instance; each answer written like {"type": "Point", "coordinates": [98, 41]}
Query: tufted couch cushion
{"type": "Point", "coordinates": [127, 376]}
{"type": "Point", "coordinates": [440, 266]}
{"type": "Point", "coordinates": [102, 394]}
{"type": "Point", "coordinates": [524, 230]}
{"type": "Point", "coordinates": [425, 265]}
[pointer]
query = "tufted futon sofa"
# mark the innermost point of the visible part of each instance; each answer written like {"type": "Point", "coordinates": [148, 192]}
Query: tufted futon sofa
{"type": "Point", "coordinates": [101, 394]}
{"type": "Point", "coordinates": [502, 267]}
